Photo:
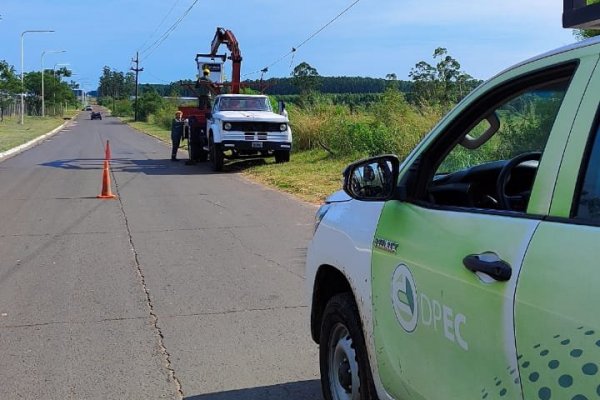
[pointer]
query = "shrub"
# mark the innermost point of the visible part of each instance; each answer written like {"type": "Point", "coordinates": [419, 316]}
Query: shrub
{"type": "Point", "coordinates": [149, 103]}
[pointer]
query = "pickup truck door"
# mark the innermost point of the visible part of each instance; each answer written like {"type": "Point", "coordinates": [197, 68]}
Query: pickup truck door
{"type": "Point", "coordinates": [556, 311]}
{"type": "Point", "coordinates": [442, 331]}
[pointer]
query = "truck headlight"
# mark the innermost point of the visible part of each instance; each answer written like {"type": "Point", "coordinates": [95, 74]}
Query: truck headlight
{"type": "Point", "coordinates": [283, 127]}
{"type": "Point", "coordinates": [320, 214]}
{"type": "Point", "coordinates": [227, 126]}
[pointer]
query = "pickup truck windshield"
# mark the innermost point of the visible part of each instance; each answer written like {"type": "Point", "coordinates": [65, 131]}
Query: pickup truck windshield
{"type": "Point", "coordinates": [244, 104]}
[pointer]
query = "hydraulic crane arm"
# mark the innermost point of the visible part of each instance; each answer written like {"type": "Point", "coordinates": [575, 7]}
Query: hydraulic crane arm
{"type": "Point", "coordinates": [225, 36]}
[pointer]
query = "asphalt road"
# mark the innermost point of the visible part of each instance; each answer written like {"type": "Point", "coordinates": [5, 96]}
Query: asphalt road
{"type": "Point", "coordinates": [189, 285]}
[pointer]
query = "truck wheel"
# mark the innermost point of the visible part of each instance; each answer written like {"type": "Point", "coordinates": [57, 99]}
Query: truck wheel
{"type": "Point", "coordinates": [345, 370]}
{"type": "Point", "coordinates": [196, 151]}
{"type": "Point", "coordinates": [282, 156]}
{"type": "Point", "coordinates": [216, 157]}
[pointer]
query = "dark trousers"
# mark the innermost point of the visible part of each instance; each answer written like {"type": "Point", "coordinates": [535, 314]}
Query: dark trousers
{"type": "Point", "coordinates": [204, 102]}
{"type": "Point", "coordinates": [176, 141]}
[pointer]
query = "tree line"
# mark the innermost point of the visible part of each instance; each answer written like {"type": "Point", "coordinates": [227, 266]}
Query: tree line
{"type": "Point", "coordinates": [439, 83]}
{"type": "Point", "coordinates": [57, 91]}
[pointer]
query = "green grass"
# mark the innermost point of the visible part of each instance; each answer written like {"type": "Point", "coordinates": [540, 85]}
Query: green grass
{"type": "Point", "coordinates": [311, 175]}
{"type": "Point", "coordinates": [150, 129]}
{"type": "Point", "coordinates": [13, 134]}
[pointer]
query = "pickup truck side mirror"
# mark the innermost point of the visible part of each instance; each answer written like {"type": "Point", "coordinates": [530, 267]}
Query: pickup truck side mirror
{"type": "Point", "coordinates": [281, 107]}
{"type": "Point", "coordinates": [208, 115]}
{"type": "Point", "coordinates": [373, 179]}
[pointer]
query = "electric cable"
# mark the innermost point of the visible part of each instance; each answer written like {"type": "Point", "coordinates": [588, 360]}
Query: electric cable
{"type": "Point", "coordinates": [149, 50]}
{"type": "Point", "coordinates": [160, 24]}
{"type": "Point", "coordinates": [295, 48]}
{"type": "Point", "coordinates": [157, 78]}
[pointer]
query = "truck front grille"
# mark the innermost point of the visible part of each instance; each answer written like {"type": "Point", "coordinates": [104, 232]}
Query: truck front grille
{"type": "Point", "coordinates": [255, 126]}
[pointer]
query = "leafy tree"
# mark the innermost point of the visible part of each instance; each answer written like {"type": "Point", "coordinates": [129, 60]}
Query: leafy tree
{"type": "Point", "coordinates": [9, 86]}
{"type": "Point", "coordinates": [306, 78]}
{"type": "Point", "coordinates": [116, 84]}
{"type": "Point", "coordinates": [55, 91]}
{"type": "Point", "coordinates": [392, 80]}
{"type": "Point", "coordinates": [63, 71]}
{"type": "Point", "coordinates": [150, 102]}
{"type": "Point", "coordinates": [443, 83]}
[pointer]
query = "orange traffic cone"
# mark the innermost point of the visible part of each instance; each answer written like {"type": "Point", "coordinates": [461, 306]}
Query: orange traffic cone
{"type": "Point", "coordinates": [107, 151]}
{"type": "Point", "coordinates": [106, 192]}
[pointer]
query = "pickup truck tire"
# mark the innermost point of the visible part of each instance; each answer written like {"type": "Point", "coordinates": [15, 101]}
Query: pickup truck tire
{"type": "Point", "coordinates": [196, 150]}
{"type": "Point", "coordinates": [282, 156]}
{"type": "Point", "coordinates": [216, 156]}
{"type": "Point", "coordinates": [345, 370]}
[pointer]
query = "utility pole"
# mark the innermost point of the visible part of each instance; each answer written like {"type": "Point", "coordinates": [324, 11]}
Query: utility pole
{"type": "Point", "coordinates": [137, 70]}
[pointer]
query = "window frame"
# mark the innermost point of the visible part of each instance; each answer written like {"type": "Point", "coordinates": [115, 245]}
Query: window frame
{"type": "Point", "coordinates": [592, 141]}
{"type": "Point", "coordinates": [416, 182]}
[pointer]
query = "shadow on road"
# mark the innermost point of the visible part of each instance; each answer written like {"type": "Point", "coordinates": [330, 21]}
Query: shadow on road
{"type": "Point", "coordinates": [153, 166]}
{"type": "Point", "coordinates": [304, 390]}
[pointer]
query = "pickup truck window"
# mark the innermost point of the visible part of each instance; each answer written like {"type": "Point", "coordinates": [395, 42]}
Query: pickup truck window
{"type": "Point", "coordinates": [493, 162]}
{"type": "Point", "coordinates": [525, 122]}
{"type": "Point", "coordinates": [588, 203]}
{"type": "Point", "coordinates": [244, 104]}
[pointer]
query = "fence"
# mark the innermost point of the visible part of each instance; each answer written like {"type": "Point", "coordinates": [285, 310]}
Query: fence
{"type": "Point", "coordinates": [12, 108]}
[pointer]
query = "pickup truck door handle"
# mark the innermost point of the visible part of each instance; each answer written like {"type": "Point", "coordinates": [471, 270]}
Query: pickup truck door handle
{"type": "Point", "coordinates": [489, 264]}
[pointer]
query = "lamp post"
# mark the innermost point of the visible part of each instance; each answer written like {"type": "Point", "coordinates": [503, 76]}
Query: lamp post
{"type": "Point", "coordinates": [54, 76]}
{"type": "Point", "coordinates": [56, 65]}
{"type": "Point", "coordinates": [22, 81]}
{"type": "Point", "coordinates": [42, 62]}
{"type": "Point", "coordinates": [81, 90]}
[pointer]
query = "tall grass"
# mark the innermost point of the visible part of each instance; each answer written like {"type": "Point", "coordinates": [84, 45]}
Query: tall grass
{"type": "Point", "coordinates": [390, 126]}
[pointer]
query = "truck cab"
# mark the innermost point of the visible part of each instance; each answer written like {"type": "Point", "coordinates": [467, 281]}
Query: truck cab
{"type": "Point", "coordinates": [242, 125]}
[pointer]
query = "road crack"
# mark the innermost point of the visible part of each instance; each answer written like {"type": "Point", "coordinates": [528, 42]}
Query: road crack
{"type": "Point", "coordinates": [153, 316]}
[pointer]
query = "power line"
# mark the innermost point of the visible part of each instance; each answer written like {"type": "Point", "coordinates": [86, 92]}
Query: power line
{"type": "Point", "coordinates": [160, 24]}
{"type": "Point", "coordinates": [150, 49]}
{"type": "Point", "coordinates": [295, 48]}
{"type": "Point", "coordinates": [157, 78]}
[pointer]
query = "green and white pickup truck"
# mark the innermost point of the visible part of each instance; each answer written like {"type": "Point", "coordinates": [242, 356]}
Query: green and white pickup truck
{"type": "Point", "coordinates": [471, 270]}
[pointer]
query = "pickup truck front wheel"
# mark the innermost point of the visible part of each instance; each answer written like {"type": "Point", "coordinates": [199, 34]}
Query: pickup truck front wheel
{"type": "Point", "coordinates": [345, 371]}
{"type": "Point", "coordinates": [216, 156]}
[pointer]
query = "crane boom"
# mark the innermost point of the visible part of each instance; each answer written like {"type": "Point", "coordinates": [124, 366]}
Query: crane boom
{"type": "Point", "coordinates": [225, 36]}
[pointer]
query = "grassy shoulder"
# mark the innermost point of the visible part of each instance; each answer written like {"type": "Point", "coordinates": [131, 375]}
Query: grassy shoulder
{"type": "Point", "coordinates": [13, 134]}
{"type": "Point", "coordinates": [150, 129]}
{"type": "Point", "coordinates": [311, 175]}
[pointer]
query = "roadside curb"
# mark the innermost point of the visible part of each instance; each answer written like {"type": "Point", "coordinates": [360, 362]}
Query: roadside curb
{"type": "Point", "coordinates": [33, 142]}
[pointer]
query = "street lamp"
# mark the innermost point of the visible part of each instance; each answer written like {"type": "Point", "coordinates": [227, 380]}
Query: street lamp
{"type": "Point", "coordinates": [83, 85]}
{"type": "Point", "coordinates": [56, 65]}
{"type": "Point", "coordinates": [22, 81]}
{"type": "Point", "coordinates": [77, 86]}
{"type": "Point", "coordinates": [42, 62]}
{"type": "Point", "coordinates": [54, 76]}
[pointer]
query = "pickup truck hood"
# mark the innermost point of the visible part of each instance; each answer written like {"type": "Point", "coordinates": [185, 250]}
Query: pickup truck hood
{"type": "Point", "coordinates": [262, 116]}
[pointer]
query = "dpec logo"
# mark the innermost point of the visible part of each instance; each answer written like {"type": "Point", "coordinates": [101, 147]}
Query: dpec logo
{"type": "Point", "coordinates": [404, 298]}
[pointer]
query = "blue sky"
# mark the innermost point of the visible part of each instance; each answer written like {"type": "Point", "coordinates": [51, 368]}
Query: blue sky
{"type": "Point", "coordinates": [374, 38]}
